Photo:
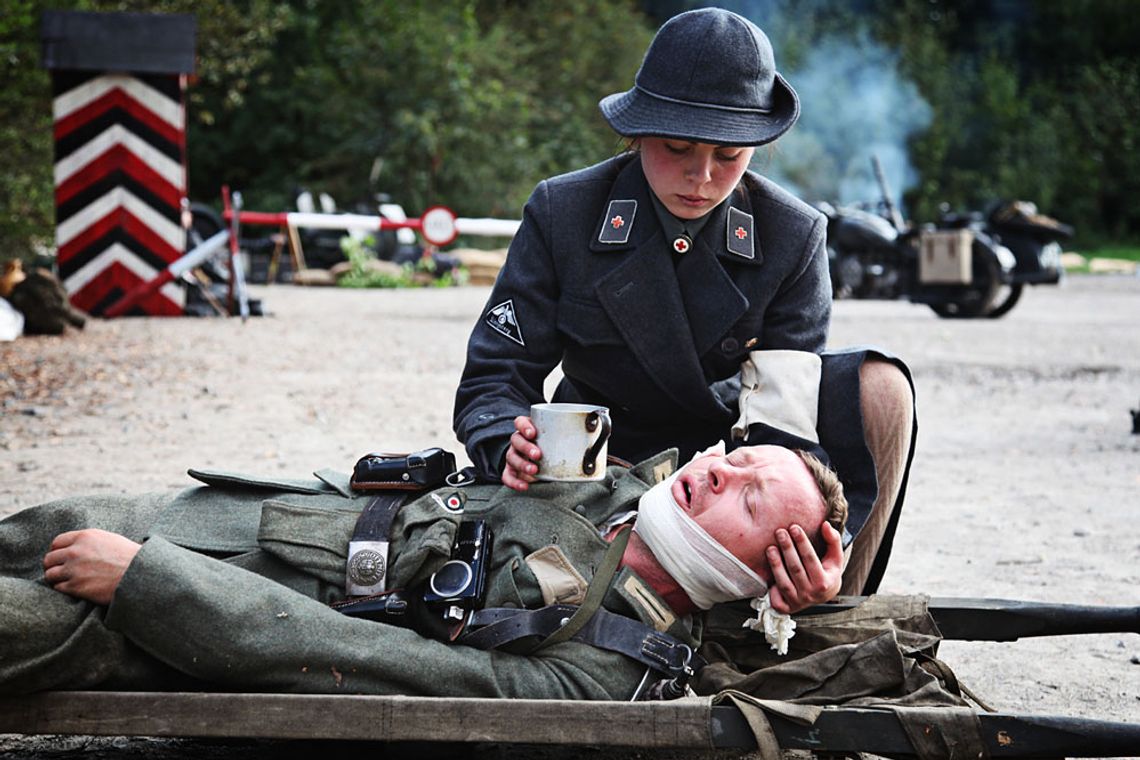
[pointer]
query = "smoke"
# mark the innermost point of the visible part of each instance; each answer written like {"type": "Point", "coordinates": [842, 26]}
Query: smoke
{"type": "Point", "coordinates": [854, 104]}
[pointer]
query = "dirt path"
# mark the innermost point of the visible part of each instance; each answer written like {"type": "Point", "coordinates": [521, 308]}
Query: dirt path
{"type": "Point", "coordinates": [1026, 483]}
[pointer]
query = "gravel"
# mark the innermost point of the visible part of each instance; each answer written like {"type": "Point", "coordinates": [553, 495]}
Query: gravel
{"type": "Point", "coordinates": [1025, 484]}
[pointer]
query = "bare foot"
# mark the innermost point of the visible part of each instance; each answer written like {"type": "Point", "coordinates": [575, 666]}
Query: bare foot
{"type": "Point", "coordinates": [89, 563]}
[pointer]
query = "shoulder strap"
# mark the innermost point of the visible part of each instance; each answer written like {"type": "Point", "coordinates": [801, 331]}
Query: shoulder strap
{"type": "Point", "coordinates": [596, 592]}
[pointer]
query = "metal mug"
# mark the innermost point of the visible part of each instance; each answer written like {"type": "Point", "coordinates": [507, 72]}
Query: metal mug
{"type": "Point", "coordinates": [573, 439]}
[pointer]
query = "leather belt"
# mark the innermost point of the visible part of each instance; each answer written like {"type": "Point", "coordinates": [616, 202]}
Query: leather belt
{"type": "Point", "coordinates": [366, 570]}
{"type": "Point", "coordinates": [495, 627]}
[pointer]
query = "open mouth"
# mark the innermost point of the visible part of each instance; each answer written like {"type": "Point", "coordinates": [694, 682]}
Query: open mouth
{"type": "Point", "coordinates": [683, 492]}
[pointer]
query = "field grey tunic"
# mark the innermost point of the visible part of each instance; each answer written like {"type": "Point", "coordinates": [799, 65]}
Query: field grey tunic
{"type": "Point", "coordinates": [230, 589]}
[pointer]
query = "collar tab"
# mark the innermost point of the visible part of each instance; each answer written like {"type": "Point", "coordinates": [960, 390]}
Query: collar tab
{"type": "Point", "coordinates": [740, 233]}
{"type": "Point", "coordinates": [618, 222]}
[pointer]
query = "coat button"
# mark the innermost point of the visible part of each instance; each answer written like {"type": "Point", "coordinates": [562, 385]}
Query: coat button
{"type": "Point", "coordinates": [580, 509]}
{"type": "Point", "coordinates": [729, 344]}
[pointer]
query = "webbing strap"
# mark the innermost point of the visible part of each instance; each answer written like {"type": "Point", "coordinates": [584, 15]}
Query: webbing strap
{"type": "Point", "coordinates": [497, 627]}
{"type": "Point", "coordinates": [596, 592]}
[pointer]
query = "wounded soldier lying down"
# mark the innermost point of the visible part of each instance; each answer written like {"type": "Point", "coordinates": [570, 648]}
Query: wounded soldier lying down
{"type": "Point", "coordinates": [229, 584]}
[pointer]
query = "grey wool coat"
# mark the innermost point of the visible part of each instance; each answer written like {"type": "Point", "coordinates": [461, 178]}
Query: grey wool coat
{"type": "Point", "coordinates": [231, 586]}
{"type": "Point", "coordinates": [590, 281]}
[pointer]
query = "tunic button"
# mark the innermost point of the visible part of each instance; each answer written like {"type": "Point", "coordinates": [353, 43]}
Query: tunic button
{"type": "Point", "coordinates": [729, 344]}
{"type": "Point", "coordinates": [580, 509]}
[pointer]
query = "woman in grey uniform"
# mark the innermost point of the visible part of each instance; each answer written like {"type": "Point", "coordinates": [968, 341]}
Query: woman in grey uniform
{"type": "Point", "coordinates": [654, 275]}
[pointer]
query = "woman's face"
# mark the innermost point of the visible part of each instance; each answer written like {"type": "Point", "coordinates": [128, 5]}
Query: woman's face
{"type": "Point", "coordinates": [691, 178]}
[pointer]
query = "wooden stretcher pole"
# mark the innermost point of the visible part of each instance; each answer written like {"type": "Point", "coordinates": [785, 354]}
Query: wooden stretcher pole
{"type": "Point", "coordinates": [968, 619]}
{"type": "Point", "coordinates": [694, 723]}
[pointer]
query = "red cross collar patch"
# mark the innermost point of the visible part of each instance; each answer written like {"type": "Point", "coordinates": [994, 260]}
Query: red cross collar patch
{"type": "Point", "coordinates": [618, 222]}
{"type": "Point", "coordinates": [739, 234]}
{"type": "Point", "coordinates": [682, 244]}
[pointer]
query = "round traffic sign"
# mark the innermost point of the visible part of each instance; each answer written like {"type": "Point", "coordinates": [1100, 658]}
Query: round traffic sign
{"type": "Point", "coordinates": [438, 225]}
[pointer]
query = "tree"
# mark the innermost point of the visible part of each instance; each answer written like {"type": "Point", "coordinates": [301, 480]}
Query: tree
{"type": "Point", "coordinates": [230, 45]}
{"type": "Point", "coordinates": [27, 210]}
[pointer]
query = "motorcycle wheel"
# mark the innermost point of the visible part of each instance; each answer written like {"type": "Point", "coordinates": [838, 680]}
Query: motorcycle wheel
{"type": "Point", "coordinates": [976, 300]}
{"type": "Point", "coordinates": [1011, 299]}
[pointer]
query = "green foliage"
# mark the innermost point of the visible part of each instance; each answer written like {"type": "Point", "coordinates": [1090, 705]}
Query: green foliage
{"type": "Point", "coordinates": [27, 211]}
{"type": "Point", "coordinates": [1125, 252]}
{"type": "Point", "coordinates": [469, 103]}
{"type": "Point", "coordinates": [230, 46]}
{"type": "Point", "coordinates": [1033, 100]}
{"type": "Point", "coordinates": [455, 102]}
{"type": "Point", "coordinates": [363, 273]}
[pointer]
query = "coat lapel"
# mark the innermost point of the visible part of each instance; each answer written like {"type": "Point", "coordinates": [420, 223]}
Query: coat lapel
{"type": "Point", "coordinates": [712, 300]}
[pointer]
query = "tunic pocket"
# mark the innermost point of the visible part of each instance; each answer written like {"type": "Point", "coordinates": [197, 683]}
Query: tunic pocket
{"type": "Point", "coordinates": [312, 540]}
{"type": "Point", "coordinates": [513, 585]}
{"type": "Point", "coordinates": [559, 580]}
{"type": "Point", "coordinates": [587, 323]}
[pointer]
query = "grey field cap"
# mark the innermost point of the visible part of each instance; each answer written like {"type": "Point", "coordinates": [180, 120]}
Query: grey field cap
{"type": "Point", "coordinates": [708, 76]}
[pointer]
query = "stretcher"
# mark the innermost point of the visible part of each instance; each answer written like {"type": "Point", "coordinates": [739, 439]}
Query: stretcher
{"type": "Point", "coordinates": [696, 723]}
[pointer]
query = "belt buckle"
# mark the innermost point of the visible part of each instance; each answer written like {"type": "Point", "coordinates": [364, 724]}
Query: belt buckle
{"type": "Point", "coordinates": [367, 568]}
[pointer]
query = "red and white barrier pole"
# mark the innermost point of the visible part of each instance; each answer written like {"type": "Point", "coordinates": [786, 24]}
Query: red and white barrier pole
{"type": "Point", "coordinates": [437, 224]}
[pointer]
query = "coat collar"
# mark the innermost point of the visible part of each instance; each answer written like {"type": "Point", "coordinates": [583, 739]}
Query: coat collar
{"type": "Point", "coordinates": [628, 220]}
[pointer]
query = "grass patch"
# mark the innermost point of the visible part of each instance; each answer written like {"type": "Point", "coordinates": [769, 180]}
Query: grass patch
{"type": "Point", "coordinates": [1127, 252]}
{"type": "Point", "coordinates": [1105, 258]}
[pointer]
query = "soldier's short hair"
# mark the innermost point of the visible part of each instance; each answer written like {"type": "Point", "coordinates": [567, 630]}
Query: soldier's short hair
{"type": "Point", "coordinates": [833, 498]}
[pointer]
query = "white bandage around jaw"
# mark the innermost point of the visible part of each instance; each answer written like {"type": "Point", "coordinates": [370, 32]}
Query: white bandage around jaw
{"type": "Point", "coordinates": [780, 388]}
{"type": "Point", "coordinates": [705, 570]}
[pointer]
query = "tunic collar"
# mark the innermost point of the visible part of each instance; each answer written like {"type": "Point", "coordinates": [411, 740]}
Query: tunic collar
{"type": "Point", "coordinates": [674, 226]}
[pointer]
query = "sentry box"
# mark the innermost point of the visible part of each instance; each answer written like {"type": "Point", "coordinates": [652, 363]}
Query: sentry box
{"type": "Point", "coordinates": [118, 84]}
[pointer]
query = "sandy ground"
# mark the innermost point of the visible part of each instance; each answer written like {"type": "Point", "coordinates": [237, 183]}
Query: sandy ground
{"type": "Point", "coordinates": [1026, 484]}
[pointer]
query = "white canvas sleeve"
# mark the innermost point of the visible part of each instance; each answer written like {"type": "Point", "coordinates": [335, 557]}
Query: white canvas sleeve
{"type": "Point", "coordinates": [780, 388]}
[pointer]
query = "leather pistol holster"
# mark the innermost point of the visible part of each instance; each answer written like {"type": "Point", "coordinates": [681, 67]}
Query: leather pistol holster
{"type": "Point", "coordinates": [418, 471]}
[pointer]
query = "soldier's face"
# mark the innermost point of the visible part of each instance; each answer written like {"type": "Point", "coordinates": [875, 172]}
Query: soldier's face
{"type": "Point", "coordinates": [691, 178]}
{"type": "Point", "coordinates": [741, 499]}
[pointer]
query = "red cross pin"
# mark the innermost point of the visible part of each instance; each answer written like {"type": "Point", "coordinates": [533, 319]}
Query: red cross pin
{"type": "Point", "coordinates": [741, 233]}
{"type": "Point", "coordinates": [617, 222]}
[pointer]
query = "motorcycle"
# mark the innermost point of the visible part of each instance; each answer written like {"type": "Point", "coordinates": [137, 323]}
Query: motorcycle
{"type": "Point", "coordinates": [966, 266]}
{"type": "Point", "coordinates": [1034, 238]}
